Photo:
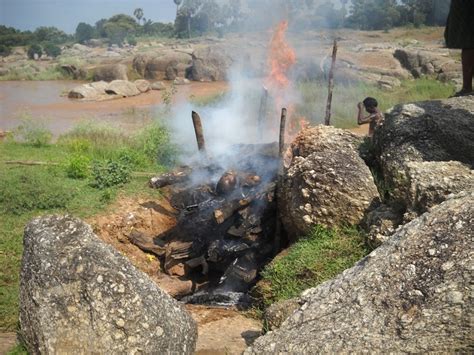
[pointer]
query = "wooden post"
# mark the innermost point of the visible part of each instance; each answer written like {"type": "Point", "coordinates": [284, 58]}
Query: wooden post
{"type": "Point", "coordinates": [199, 132]}
{"type": "Point", "coordinates": [262, 113]}
{"type": "Point", "coordinates": [327, 119]}
{"type": "Point", "coordinates": [278, 228]}
{"type": "Point", "coordinates": [282, 132]}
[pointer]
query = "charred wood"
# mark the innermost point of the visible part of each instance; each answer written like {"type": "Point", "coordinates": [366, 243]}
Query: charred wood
{"type": "Point", "coordinates": [170, 178]}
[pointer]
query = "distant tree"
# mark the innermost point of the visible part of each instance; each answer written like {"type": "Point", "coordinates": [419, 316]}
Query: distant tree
{"type": "Point", "coordinates": [374, 14]}
{"type": "Point", "coordinates": [138, 13]}
{"type": "Point", "coordinates": [178, 4]}
{"type": "Point", "coordinates": [99, 28]}
{"type": "Point", "coordinates": [52, 50]}
{"type": "Point", "coordinates": [50, 34]}
{"type": "Point", "coordinates": [84, 32]}
{"type": "Point", "coordinates": [34, 49]}
{"type": "Point", "coordinates": [118, 27]}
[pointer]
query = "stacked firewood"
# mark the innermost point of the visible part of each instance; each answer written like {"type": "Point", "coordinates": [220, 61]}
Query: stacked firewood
{"type": "Point", "coordinates": [226, 221]}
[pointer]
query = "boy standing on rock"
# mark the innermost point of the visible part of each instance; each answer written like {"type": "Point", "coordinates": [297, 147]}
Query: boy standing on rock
{"type": "Point", "coordinates": [375, 117]}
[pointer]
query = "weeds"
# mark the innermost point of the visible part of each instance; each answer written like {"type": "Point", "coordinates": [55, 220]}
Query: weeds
{"type": "Point", "coordinates": [33, 133]}
{"type": "Point", "coordinates": [320, 256]}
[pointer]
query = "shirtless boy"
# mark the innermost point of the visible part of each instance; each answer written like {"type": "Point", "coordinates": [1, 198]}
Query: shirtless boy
{"type": "Point", "coordinates": [375, 117]}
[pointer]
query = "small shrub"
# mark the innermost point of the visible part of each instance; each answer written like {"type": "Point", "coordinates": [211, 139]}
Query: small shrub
{"type": "Point", "coordinates": [132, 41]}
{"type": "Point", "coordinates": [136, 158]}
{"type": "Point", "coordinates": [33, 133]}
{"type": "Point", "coordinates": [154, 141]}
{"type": "Point", "coordinates": [77, 166]}
{"type": "Point", "coordinates": [5, 50]}
{"type": "Point", "coordinates": [78, 145]}
{"type": "Point", "coordinates": [110, 173]}
{"type": "Point", "coordinates": [52, 50]}
{"type": "Point", "coordinates": [34, 49]}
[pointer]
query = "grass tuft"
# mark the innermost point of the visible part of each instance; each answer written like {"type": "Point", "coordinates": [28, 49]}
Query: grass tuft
{"type": "Point", "coordinates": [320, 256]}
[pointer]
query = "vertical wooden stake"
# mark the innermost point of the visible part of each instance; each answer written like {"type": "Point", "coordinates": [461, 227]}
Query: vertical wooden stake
{"type": "Point", "coordinates": [262, 113]}
{"type": "Point", "coordinates": [278, 228]}
{"type": "Point", "coordinates": [327, 118]}
{"type": "Point", "coordinates": [282, 132]}
{"type": "Point", "coordinates": [199, 132]}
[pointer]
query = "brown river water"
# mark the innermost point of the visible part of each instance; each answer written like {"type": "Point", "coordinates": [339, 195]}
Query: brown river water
{"type": "Point", "coordinates": [47, 102]}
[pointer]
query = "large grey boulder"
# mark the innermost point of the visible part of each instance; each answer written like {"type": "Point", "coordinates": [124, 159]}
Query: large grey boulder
{"type": "Point", "coordinates": [425, 62]}
{"type": "Point", "coordinates": [142, 85]}
{"type": "Point", "coordinates": [326, 182]}
{"type": "Point", "coordinates": [90, 91]}
{"type": "Point", "coordinates": [210, 64]}
{"type": "Point", "coordinates": [80, 296]}
{"type": "Point", "coordinates": [167, 65]}
{"type": "Point", "coordinates": [122, 88]}
{"type": "Point", "coordinates": [426, 152]}
{"type": "Point", "coordinates": [413, 294]}
{"type": "Point", "coordinates": [110, 72]}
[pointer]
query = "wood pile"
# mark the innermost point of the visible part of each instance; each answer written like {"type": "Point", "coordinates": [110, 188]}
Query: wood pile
{"type": "Point", "coordinates": [226, 221]}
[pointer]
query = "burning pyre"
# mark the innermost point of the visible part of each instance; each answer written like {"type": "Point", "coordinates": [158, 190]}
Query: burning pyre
{"type": "Point", "coordinates": [226, 212]}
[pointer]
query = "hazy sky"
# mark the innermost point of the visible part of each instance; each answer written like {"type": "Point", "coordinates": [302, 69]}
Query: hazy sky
{"type": "Point", "coordinates": [66, 14]}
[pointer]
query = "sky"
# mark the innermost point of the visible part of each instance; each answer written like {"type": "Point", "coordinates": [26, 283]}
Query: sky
{"type": "Point", "coordinates": [66, 14]}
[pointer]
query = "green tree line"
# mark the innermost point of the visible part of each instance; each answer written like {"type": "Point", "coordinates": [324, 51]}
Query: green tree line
{"type": "Point", "coordinates": [198, 17]}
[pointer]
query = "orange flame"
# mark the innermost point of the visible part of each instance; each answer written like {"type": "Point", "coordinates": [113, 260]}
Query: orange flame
{"type": "Point", "coordinates": [281, 58]}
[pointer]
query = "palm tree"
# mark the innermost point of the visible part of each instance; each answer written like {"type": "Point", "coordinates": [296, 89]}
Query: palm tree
{"type": "Point", "coordinates": [178, 4]}
{"type": "Point", "coordinates": [138, 13]}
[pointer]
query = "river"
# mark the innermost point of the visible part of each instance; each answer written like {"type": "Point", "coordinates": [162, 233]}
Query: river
{"type": "Point", "coordinates": [47, 102]}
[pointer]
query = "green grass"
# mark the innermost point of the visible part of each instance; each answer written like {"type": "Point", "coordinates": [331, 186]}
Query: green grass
{"type": "Point", "coordinates": [320, 256]}
{"type": "Point", "coordinates": [29, 191]}
{"type": "Point", "coordinates": [346, 97]}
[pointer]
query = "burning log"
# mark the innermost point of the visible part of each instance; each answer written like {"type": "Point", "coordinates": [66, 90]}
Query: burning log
{"type": "Point", "coordinates": [171, 178]}
{"type": "Point", "coordinates": [327, 119]}
{"type": "Point", "coordinates": [146, 243]}
{"type": "Point", "coordinates": [262, 113]}
{"type": "Point", "coordinates": [227, 183]}
{"type": "Point", "coordinates": [199, 132]}
{"type": "Point", "coordinates": [228, 209]}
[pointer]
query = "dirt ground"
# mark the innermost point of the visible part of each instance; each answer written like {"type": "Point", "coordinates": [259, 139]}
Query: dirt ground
{"type": "Point", "coordinates": [7, 342]}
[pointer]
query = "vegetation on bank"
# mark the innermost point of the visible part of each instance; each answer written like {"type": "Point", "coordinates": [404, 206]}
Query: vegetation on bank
{"type": "Point", "coordinates": [316, 258]}
{"type": "Point", "coordinates": [346, 96]}
{"type": "Point", "coordinates": [84, 172]}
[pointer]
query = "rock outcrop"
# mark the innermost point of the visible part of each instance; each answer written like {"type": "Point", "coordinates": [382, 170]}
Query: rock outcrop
{"type": "Point", "coordinates": [426, 152]}
{"type": "Point", "coordinates": [326, 182]}
{"type": "Point", "coordinates": [423, 62]}
{"type": "Point", "coordinates": [122, 88]}
{"type": "Point", "coordinates": [210, 64]}
{"type": "Point", "coordinates": [90, 91]}
{"type": "Point", "coordinates": [413, 294]}
{"type": "Point", "coordinates": [168, 65]}
{"type": "Point", "coordinates": [110, 72]}
{"type": "Point", "coordinates": [142, 85]}
{"type": "Point", "coordinates": [80, 296]}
